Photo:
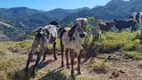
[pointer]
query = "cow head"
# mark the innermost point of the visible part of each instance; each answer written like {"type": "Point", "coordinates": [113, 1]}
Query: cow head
{"type": "Point", "coordinates": [134, 16]}
{"type": "Point", "coordinates": [112, 22]}
{"type": "Point", "coordinates": [54, 23]}
{"type": "Point", "coordinates": [81, 27]}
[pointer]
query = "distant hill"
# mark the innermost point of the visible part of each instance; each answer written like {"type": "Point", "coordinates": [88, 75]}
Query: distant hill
{"type": "Point", "coordinates": [117, 9]}
{"type": "Point", "coordinates": [23, 19]}
{"type": "Point", "coordinates": [62, 13]}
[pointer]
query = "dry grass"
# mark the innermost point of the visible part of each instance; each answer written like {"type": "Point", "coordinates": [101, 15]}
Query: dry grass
{"type": "Point", "coordinates": [13, 58]}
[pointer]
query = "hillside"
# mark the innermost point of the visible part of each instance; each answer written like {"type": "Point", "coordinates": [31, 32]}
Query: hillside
{"type": "Point", "coordinates": [115, 56]}
{"type": "Point", "coordinates": [24, 19]}
{"type": "Point", "coordinates": [115, 9]}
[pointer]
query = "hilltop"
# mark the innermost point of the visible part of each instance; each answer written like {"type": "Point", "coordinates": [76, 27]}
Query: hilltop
{"type": "Point", "coordinates": [24, 19]}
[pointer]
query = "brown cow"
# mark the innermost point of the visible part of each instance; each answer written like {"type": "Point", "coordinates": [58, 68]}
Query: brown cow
{"type": "Point", "coordinates": [106, 26]}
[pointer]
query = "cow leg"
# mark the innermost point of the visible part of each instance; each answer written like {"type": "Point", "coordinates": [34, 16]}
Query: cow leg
{"type": "Point", "coordinates": [120, 29]}
{"type": "Point", "coordinates": [43, 47]}
{"type": "Point", "coordinates": [72, 62]}
{"type": "Point", "coordinates": [67, 60]}
{"type": "Point", "coordinates": [33, 50]}
{"type": "Point", "coordinates": [133, 29]}
{"type": "Point", "coordinates": [62, 53]}
{"type": "Point", "coordinates": [45, 53]}
{"type": "Point", "coordinates": [78, 66]}
{"type": "Point", "coordinates": [141, 37]}
{"type": "Point", "coordinates": [54, 48]}
{"type": "Point", "coordinates": [37, 61]}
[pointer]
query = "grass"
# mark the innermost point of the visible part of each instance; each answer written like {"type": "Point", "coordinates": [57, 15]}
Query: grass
{"type": "Point", "coordinates": [140, 65]}
{"type": "Point", "coordinates": [101, 66]}
{"type": "Point", "coordinates": [110, 42]}
{"type": "Point", "coordinates": [55, 75]}
{"type": "Point", "coordinates": [133, 55]}
{"type": "Point", "coordinates": [11, 57]}
{"type": "Point", "coordinates": [84, 78]}
{"type": "Point", "coordinates": [21, 47]}
{"type": "Point", "coordinates": [8, 64]}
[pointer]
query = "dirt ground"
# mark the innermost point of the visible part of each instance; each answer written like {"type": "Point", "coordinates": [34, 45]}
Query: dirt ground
{"type": "Point", "coordinates": [125, 69]}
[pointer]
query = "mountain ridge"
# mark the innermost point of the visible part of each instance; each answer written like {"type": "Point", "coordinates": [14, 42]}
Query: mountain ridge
{"type": "Point", "coordinates": [25, 19]}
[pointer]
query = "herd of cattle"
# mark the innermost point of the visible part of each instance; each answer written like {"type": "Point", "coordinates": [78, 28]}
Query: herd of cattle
{"type": "Point", "coordinates": [72, 38]}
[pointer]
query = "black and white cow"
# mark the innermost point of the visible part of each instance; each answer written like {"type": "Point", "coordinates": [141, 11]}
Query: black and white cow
{"type": "Point", "coordinates": [72, 39]}
{"type": "Point", "coordinates": [137, 17]}
{"type": "Point", "coordinates": [44, 36]}
{"type": "Point", "coordinates": [120, 24]}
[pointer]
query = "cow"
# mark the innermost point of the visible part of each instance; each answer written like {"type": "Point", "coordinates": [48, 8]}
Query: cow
{"type": "Point", "coordinates": [44, 36]}
{"type": "Point", "coordinates": [72, 39]}
{"type": "Point", "coordinates": [106, 26]}
{"type": "Point", "coordinates": [120, 24]}
{"type": "Point", "coordinates": [137, 17]}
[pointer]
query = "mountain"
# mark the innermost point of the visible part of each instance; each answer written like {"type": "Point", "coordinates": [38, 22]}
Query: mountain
{"type": "Point", "coordinates": [62, 13]}
{"type": "Point", "coordinates": [115, 9]}
{"type": "Point", "coordinates": [21, 20]}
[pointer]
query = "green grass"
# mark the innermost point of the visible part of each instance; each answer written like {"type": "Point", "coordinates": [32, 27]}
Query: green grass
{"type": "Point", "coordinates": [101, 66]}
{"type": "Point", "coordinates": [21, 47]}
{"type": "Point", "coordinates": [133, 55]}
{"type": "Point", "coordinates": [55, 75]}
{"type": "Point", "coordinates": [113, 42]}
{"type": "Point", "coordinates": [11, 57]}
{"type": "Point", "coordinates": [8, 64]}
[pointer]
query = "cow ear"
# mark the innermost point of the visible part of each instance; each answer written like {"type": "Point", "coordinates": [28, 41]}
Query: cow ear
{"type": "Point", "coordinates": [37, 30]}
{"type": "Point", "coordinates": [60, 29]}
{"type": "Point", "coordinates": [130, 17]}
{"type": "Point", "coordinates": [114, 19]}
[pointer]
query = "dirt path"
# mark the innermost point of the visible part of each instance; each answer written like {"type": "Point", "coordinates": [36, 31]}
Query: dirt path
{"type": "Point", "coordinates": [125, 69]}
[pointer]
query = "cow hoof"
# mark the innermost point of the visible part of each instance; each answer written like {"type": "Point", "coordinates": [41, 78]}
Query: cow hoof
{"type": "Point", "coordinates": [72, 72]}
{"type": "Point", "coordinates": [79, 73]}
{"type": "Point", "coordinates": [32, 60]}
{"type": "Point", "coordinates": [62, 65]}
{"type": "Point", "coordinates": [73, 76]}
{"type": "Point", "coordinates": [68, 67]}
{"type": "Point", "coordinates": [43, 60]}
{"type": "Point", "coordinates": [55, 58]}
{"type": "Point", "coordinates": [26, 70]}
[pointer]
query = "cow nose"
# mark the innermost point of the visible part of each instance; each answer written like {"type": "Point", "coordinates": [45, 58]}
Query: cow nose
{"type": "Point", "coordinates": [82, 35]}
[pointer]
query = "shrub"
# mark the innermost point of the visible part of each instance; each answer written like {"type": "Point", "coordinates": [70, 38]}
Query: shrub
{"type": "Point", "coordinates": [55, 75]}
{"type": "Point", "coordinates": [100, 66]}
{"type": "Point", "coordinates": [133, 55]}
{"type": "Point", "coordinates": [112, 41]}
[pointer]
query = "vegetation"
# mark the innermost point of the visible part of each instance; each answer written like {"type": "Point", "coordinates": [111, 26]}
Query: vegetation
{"type": "Point", "coordinates": [12, 55]}
{"type": "Point", "coordinates": [100, 66]}
{"type": "Point", "coordinates": [112, 42]}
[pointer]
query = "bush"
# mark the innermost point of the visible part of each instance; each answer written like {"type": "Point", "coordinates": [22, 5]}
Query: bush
{"type": "Point", "coordinates": [111, 41]}
{"type": "Point", "coordinates": [55, 75]}
{"type": "Point", "coordinates": [100, 66]}
{"type": "Point", "coordinates": [133, 55]}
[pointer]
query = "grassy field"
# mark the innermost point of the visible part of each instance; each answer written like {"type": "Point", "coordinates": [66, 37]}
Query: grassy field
{"type": "Point", "coordinates": [117, 56]}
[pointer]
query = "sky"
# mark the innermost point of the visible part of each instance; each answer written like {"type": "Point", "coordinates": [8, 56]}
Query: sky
{"type": "Point", "coordinates": [51, 4]}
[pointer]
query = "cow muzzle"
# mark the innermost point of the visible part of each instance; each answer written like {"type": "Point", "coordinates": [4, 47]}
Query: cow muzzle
{"type": "Point", "coordinates": [83, 35]}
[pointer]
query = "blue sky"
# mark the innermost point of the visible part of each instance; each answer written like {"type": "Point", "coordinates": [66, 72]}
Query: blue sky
{"type": "Point", "coordinates": [51, 4]}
